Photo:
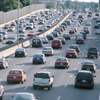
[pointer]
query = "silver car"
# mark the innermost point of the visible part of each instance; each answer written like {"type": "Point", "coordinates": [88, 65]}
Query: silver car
{"type": "Point", "coordinates": [1, 91]}
{"type": "Point", "coordinates": [97, 32]}
{"type": "Point", "coordinates": [44, 39]}
{"type": "Point", "coordinates": [11, 28]}
{"type": "Point", "coordinates": [48, 51]}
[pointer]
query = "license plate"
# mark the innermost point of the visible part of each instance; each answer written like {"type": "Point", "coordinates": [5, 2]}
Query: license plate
{"type": "Point", "coordinates": [61, 63]}
{"type": "Point", "coordinates": [38, 58]}
{"type": "Point", "coordinates": [70, 55]}
{"type": "Point", "coordinates": [55, 44]}
{"type": "Point", "coordinates": [79, 41]}
{"type": "Point", "coordinates": [83, 80]}
{"type": "Point", "coordinates": [14, 77]}
{"type": "Point", "coordinates": [19, 52]}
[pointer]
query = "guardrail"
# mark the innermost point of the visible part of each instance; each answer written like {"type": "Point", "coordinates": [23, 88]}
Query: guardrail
{"type": "Point", "coordinates": [8, 50]}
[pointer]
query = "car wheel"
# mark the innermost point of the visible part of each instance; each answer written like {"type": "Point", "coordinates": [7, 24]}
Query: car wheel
{"type": "Point", "coordinates": [55, 66]}
{"type": "Point", "coordinates": [8, 82]}
{"type": "Point", "coordinates": [94, 71]}
{"type": "Point", "coordinates": [22, 82]}
{"type": "Point", "coordinates": [0, 97]}
{"type": "Point", "coordinates": [34, 87]}
{"type": "Point", "coordinates": [97, 57]}
{"type": "Point", "coordinates": [87, 56]}
{"type": "Point", "coordinates": [91, 87]}
{"type": "Point", "coordinates": [75, 86]}
{"type": "Point", "coordinates": [75, 56]}
{"type": "Point", "coordinates": [43, 62]}
{"type": "Point", "coordinates": [49, 88]}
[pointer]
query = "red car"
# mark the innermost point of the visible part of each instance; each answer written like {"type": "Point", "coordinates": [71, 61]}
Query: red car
{"type": "Point", "coordinates": [56, 44]}
{"type": "Point", "coordinates": [71, 53]}
{"type": "Point", "coordinates": [76, 47]}
{"type": "Point", "coordinates": [16, 75]}
{"type": "Point", "coordinates": [62, 40]}
{"type": "Point", "coordinates": [32, 20]}
{"type": "Point", "coordinates": [62, 62]}
{"type": "Point", "coordinates": [61, 28]}
{"type": "Point", "coordinates": [31, 33]}
{"type": "Point", "coordinates": [13, 24]}
{"type": "Point", "coordinates": [80, 40]}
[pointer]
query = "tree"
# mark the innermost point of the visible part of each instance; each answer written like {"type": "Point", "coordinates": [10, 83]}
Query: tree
{"type": "Point", "coordinates": [25, 2]}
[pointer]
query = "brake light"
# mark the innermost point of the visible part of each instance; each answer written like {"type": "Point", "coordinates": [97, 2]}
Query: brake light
{"type": "Point", "coordinates": [66, 63]}
{"type": "Point", "coordinates": [41, 58]}
{"type": "Point", "coordinates": [50, 51]}
{"type": "Point", "coordinates": [32, 42]}
{"type": "Point", "coordinates": [23, 52]}
{"type": "Point", "coordinates": [92, 81]}
{"type": "Point", "coordinates": [83, 66]}
{"type": "Point", "coordinates": [40, 42]}
{"type": "Point", "coordinates": [34, 58]}
{"type": "Point", "coordinates": [93, 66]}
{"type": "Point", "coordinates": [75, 80]}
{"type": "Point", "coordinates": [33, 79]}
{"type": "Point", "coordinates": [56, 63]}
{"type": "Point", "coordinates": [69, 31]}
{"type": "Point", "coordinates": [49, 80]}
{"type": "Point", "coordinates": [2, 63]}
{"type": "Point", "coordinates": [63, 36]}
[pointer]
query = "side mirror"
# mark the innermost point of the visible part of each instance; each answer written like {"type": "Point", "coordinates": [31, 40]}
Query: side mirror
{"type": "Point", "coordinates": [94, 75]}
{"type": "Point", "coordinates": [52, 75]}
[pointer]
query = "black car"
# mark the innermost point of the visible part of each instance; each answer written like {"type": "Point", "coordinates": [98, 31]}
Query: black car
{"type": "Point", "coordinates": [58, 30]}
{"type": "Point", "coordinates": [50, 36]}
{"type": "Point", "coordinates": [89, 65]}
{"type": "Point", "coordinates": [55, 33]}
{"type": "Point", "coordinates": [96, 26]}
{"type": "Point", "coordinates": [20, 52]}
{"type": "Point", "coordinates": [93, 52]}
{"type": "Point", "coordinates": [84, 79]}
{"type": "Point", "coordinates": [37, 42]}
{"type": "Point", "coordinates": [64, 23]}
{"type": "Point", "coordinates": [97, 14]}
{"type": "Point", "coordinates": [63, 26]}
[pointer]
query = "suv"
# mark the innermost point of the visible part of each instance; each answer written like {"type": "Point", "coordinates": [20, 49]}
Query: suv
{"type": "Point", "coordinates": [43, 79]}
{"type": "Point", "coordinates": [36, 42]}
{"type": "Point", "coordinates": [93, 52]}
{"type": "Point", "coordinates": [85, 79]}
{"type": "Point", "coordinates": [1, 91]}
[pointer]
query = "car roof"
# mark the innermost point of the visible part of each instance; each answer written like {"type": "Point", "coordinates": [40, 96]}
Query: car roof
{"type": "Point", "coordinates": [24, 93]}
{"type": "Point", "coordinates": [43, 72]}
{"type": "Point", "coordinates": [16, 69]}
{"type": "Point", "coordinates": [84, 71]}
{"type": "Point", "coordinates": [89, 61]}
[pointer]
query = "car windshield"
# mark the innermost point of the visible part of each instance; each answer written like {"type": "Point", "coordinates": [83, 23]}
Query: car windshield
{"type": "Point", "coordinates": [61, 59]}
{"type": "Point", "coordinates": [21, 35]}
{"type": "Point", "coordinates": [56, 42]}
{"type": "Point", "coordinates": [7, 25]}
{"type": "Point", "coordinates": [47, 49]}
{"type": "Point", "coordinates": [54, 32]}
{"type": "Point", "coordinates": [73, 46]}
{"type": "Point", "coordinates": [93, 49]}
{"type": "Point", "coordinates": [22, 97]}
{"type": "Point", "coordinates": [15, 72]}
{"type": "Point", "coordinates": [43, 38]}
{"type": "Point", "coordinates": [41, 75]}
{"type": "Point", "coordinates": [2, 33]}
{"type": "Point", "coordinates": [36, 40]}
{"type": "Point", "coordinates": [38, 55]}
{"type": "Point", "coordinates": [31, 32]}
{"type": "Point", "coordinates": [10, 27]}
{"type": "Point", "coordinates": [49, 34]}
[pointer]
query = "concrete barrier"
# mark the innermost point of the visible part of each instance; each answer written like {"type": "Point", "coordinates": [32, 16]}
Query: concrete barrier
{"type": "Point", "coordinates": [27, 43]}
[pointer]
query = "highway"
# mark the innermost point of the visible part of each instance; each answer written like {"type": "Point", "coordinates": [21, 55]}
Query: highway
{"type": "Point", "coordinates": [63, 87]}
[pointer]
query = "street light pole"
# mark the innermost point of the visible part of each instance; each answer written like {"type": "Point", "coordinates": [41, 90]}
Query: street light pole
{"type": "Point", "coordinates": [18, 25]}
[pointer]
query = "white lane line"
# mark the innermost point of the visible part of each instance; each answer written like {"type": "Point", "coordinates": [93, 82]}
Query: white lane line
{"type": "Point", "coordinates": [25, 87]}
{"type": "Point", "coordinates": [51, 64]}
{"type": "Point", "coordinates": [74, 68]}
{"type": "Point", "coordinates": [66, 85]}
{"type": "Point", "coordinates": [59, 98]}
{"type": "Point", "coordinates": [0, 79]}
{"type": "Point", "coordinates": [70, 76]}
{"type": "Point", "coordinates": [78, 62]}
{"type": "Point", "coordinates": [30, 59]}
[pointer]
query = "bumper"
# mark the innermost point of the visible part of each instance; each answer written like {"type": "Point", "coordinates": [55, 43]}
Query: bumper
{"type": "Point", "coordinates": [91, 55]}
{"type": "Point", "coordinates": [62, 66]}
{"type": "Point", "coordinates": [1, 66]}
{"type": "Point", "coordinates": [19, 55]}
{"type": "Point", "coordinates": [41, 85]}
{"type": "Point", "coordinates": [38, 61]}
{"type": "Point", "coordinates": [84, 85]}
{"type": "Point", "coordinates": [15, 80]}
{"type": "Point", "coordinates": [36, 45]}
{"type": "Point", "coordinates": [70, 55]}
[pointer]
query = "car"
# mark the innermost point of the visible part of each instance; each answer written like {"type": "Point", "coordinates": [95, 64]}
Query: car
{"type": "Point", "coordinates": [56, 43]}
{"type": "Point", "coordinates": [55, 33]}
{"type": "Point", "coordinates": [64, 23]}
{"type": "Point", "coordinates": [66, 36]}
{"type": "Point", "coordinates": [58, 30]}
{"type": "Point", "coordinates": [29, 26]}
{"type": "Point", "coordinates": [44, 39]}
{"type": "Point", "coordinates": [95, 17]}
{"type": "Point", "coordinates": [68, 22]}
{"type": "Point", "coordinates": [22, 37]}
{"type": "Point", "coordinates": [50, 36]}
{"type": "Point", "coordinates": [85, 79]}
{"type": "Point", "coordinates": [39, 58]}
{"type": "Point", "coordinates": [93, 52]}
{"type": "Point", "coordinates": [34, 25]}
{"type": "Point", "coordinates": [71, 31]}
{"type": "Point", "coordinates": [37, 42]}
{"type": "Point", "coordinates": [97, 32]}
{"type": "Point", "coordinates": [21, 20]}
{"type": "Point", "coordinates": [35, 17]}
{"type": "Point", "coordinates": [10, 40]}
{"type": "Point", "coordinates": [97, 14]}
{"type": "Point", "coordinates": [74, 28]}
{"type": "Point", "coordinates": [16, 75]}
{"type": "Point", "coordinates": [62, 40]}
{"type": "Point", "coordinates": [71, 18]}
{"type": "Point", "coordinates": [1, 91]}
{"type": "Point", "coordinates": [49, 24]}
{"type": "Point", "coordinates": [84, 34]}
{"type": "Point", "coordinates": [24, 96]}
{"type": "Point", "coordinates": [86, 29]}
{"type": "Point", "coordinates": [31, 33]}
{"type": "Point", "coordinates": [1, 37]}
{"type": "Point", "coordinates": [71, 53]}
{"type": "Point", "coordinates": [79, 40]}
{"type": "Point", "coordinates": [42, 28]}
{"type": "Point", "coordinates": [43, 79]}
{"type": "Point", "coordinates": [24, 24]}
{"type": "Point", "coordinates": [31, 20]}
{"type": "Point", "coordinates": [13, 23]}
{"type": "Point", "coordinates": [89, 15]}
{"type": "Point", "coordinates": [78, 35]}
{"type": "Point", "coordinates": [63, 26]}
{"type": "Point", "coordinates": [20, 52]}
{"type": "Point", "coordinates": [3, 63]}
{"type": "Point", "coordinates": [41, 21]}
{"type": "Point", "coordinates": [62, 62]}
{"type": "Point", "coordinates": [21, 25]}
{"type": "Point", "coordinates": [96, 26]}
{"type": "Point", "coordinates": [5, 35]}
{"type": "Point", "coordinates": [89, 65]}
{"type": "Point", "coordinates": [97, 20]}
{"type": "Point", "coordinates": [48, 51]}
{"type": "Point", "coordinates": [74, 46]}
{"type": "Point", "coordinates": [11, 28]}
{"type": "Point", "coordinates": [81, 16]}
{"type": "Point", "coordinates": [21, 30]}
{"type": "Point", "coordinates": [88, 23]}
{"type": "Point", "coordinates": [28, 17]}
{"type": "Point", "coordinates": [6, 26]}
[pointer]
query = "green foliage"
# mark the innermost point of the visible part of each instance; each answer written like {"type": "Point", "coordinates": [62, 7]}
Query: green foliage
{"type": "Point", "coordinates": [49, 5]}
{"type": "Point", "coordinates": [25, 2]}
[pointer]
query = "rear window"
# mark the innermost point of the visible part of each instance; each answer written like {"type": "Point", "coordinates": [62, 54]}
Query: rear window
{"type": "Point", "coordinates": [73, 46]}
{"type": "Point", "coordinates": [36, 40]}
{"type": "Point", "coordinates": [85, 75]}
{"type": "Point", "coordinates": [61, 59]}
{"type": "Point", "coordinates": [47, 49]}
{"type": "Point", "coordinates": [56, 42]}
{"type": "Point", "coordinates": [38, 55]}
{"type": "Point", "coordinates": [90, 63]}
{"type": "Point", "coordinates": [71, 50]}
{"type": "Point", "coordinates": [92, 49]}
{"type": "Point", "coordinates": [41, 75]}
{"type": "Point", "coordinates": [15, 72]}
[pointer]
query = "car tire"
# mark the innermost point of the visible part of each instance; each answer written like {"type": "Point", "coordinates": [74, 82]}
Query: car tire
{"type": "Point", "coordinates": [8, 82]}
{"type": "Point", "coordinates": [87, 56]}
{"type": "Point", "coordinates": [97, 57]}
{"type": "Point", "coordinates": [75, 56]}
{"type": "Point", "coordinates": [49, 88]}
{"type": "Point", "coordinates": [0, 97]}
{"type": "Point", "coordinates": [75, 86]}
{"type": "Point", "coordinates": [60, 47]}
{"type": "Point", "coordinates": [33, 62]}
{"type": "Point", "coordinates": [55, 66]}
{"type": "Point", "coordinates": [22, 82]}
{"type": "Point", "coordinates": [34, 87]}
{"type": "Point", "coordinates": [94, 71]}
{"type": "Point", "coordinates": [91, 87]}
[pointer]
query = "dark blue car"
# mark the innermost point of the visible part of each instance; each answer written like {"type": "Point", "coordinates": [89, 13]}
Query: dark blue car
{"type": "Point", "coordinates": [84, 34]}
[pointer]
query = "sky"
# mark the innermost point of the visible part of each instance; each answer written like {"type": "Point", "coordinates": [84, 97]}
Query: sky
{"type": "Point", "coordinates": [87, 0]}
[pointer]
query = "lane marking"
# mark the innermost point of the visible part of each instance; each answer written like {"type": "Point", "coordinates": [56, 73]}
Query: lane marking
{"type": "Point", "coordinates": [78, 62]}
{"type": "Point", "coordinates": [0, 79]}
{"type": "Point", "coordinates": [25, 87]}
{"type": "Point", "coordinates": [74, 68]}
{"type": "Point", "coordinates": [65, 85]}
{"type": "Point", "coordinates": [58, 97]}
{"type": "Point", "coordinates": [70, 76]}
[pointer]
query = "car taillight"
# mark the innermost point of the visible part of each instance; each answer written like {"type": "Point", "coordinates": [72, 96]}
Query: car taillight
{"type": "Point", "coordinates": [92, 81]}
{"type": "Point", "coordinates": [75, 80]}
{"type": "Point", "coordinates": [33, 79]}
{"type": "Point", "coordinates": [41, 58]}
{"type": "Point", "coordinates": [49, 80]}
{"type": "Point", "coordinates": [23, 52]}
{"type": "Point", "coordinates": [66, 63]}
{"type": "Point", "coordinates": [1, 63]}
{"type": "Point", "coordinates": [32, 42]}
{"type": "Point", "coordinates": [56, 63]}
{"type": "Point", "coordinates": [93, 66]}
{"type": "Point", "coordinates": [69, 31]}
{"type": "Point", "coordinates": [34, 58]}
{"type": "Point", "coordinates": [97, 53]}
{"type": "Point", "coordinates": [15, 52]}
{"type": "Point", "coordinates": [50, 51]}
{"type": "Point", "coordinates": [63, 36]}
{"type": "Point", "coordinates": [40, 42]}
{"type": "Point", "coordinates": [83, 66]}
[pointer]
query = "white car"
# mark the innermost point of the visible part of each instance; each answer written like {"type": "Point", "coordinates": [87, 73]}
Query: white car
{"type": "Point", "coordinates": [48, 51]}
{"type": "Point", "coordinates": [11, 28]}
{"type": "Point", "coordinates": [0, 29]}
{"type": "Point", "coordinates": [95, 17]}
{"type": "Point", "coordinates": [43, 79]}
{"type": "Point", "coordinates": [44, 39]}
{"type": "Point", "coordinates": [88, 23]}
{"type": "Point", "coordinates": [1, 91]}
